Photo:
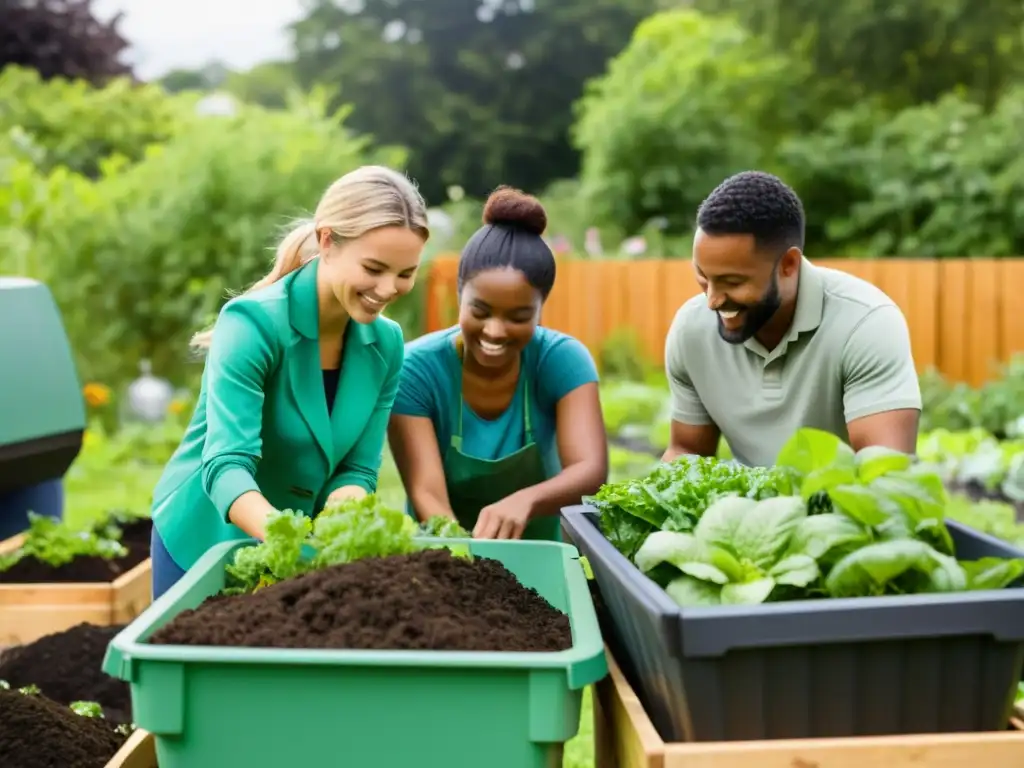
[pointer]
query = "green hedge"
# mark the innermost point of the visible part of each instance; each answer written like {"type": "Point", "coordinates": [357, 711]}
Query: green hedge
{"type": "Point", "coordinates": [142, 230]}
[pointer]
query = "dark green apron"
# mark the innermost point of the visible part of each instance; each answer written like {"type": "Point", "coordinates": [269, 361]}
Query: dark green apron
{"type": "Point", "coordinates": [476, 483]}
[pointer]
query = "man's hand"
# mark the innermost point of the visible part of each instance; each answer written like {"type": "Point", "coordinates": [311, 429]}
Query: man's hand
{"type": "Point", "coordinates": [699, 440]}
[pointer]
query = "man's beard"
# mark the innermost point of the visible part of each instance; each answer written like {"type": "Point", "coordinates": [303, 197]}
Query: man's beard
{"type": "Point", "coordinates": [756, 316]}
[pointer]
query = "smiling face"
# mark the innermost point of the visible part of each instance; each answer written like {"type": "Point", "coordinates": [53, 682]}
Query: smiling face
{"type": "Point", "coordinates": [366, 274]}
{"type": "Point", "coordinates": [745, 288]}
{"type": "Point", "coordinates": [498, 313]}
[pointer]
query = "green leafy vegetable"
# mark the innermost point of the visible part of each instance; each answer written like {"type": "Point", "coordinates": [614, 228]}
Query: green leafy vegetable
{"type": "Point", "coordinates": [342, 533]}
{"type": "Point", "coordinates": [674, 496]}
{"type": "Point", "coordinates": [825, 522]}
{"type": "Point", "coordinates": [56, 543]}
{"type": "Point", "coordinates": [992, 517]}
{"type": "Point", "coordinates": [738, 551]}
{"type": "Point", "coordinates": [86, 708]}
{"type": "Point", "coordinates": [111, 525]}
{"type": "Point", "coordinates": [444, 528]}
{"type": "Point", "coordinates": [975, 457]}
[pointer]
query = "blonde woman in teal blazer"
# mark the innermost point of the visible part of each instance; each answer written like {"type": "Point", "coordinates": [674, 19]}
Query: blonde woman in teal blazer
{"type": "Point", "coordinates": [301, 373]}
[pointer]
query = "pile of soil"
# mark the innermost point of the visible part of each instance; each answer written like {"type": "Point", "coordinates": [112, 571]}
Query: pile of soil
{"type": "Point", "coordinates": [429, 600]}
{"type": "Point", "coordinates": [67, 667]}
{"type": "Point", "coordinates": [38, 733]}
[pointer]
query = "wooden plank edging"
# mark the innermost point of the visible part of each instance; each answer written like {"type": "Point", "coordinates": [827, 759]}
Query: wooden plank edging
{"type": "Point", "coordinates": [29, 611]}
{"type": "Point", "coordinates": [139, 751]}
{"type": "Point", "coordinates": [626, 738]}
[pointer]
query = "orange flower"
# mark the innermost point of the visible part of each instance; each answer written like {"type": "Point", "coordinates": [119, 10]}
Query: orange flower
{"type": "Point", "coordinates": [177, 406]}
{"type": "Point", "coordinates": [96, 394]}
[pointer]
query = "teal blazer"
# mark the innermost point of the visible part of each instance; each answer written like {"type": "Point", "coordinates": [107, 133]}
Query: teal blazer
{"type": "Point", "coordinates": [261, 421]}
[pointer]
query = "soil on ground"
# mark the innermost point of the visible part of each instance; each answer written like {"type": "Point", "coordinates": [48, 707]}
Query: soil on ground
{"type": "Point", "coordinates": [66, 666]}
{"type": "Point", "coordinates": [137, 532]}
{"type": "Point", "coordinates": [429, 600]}
{"type": "Point", "coordinates": [135, 537]}
{"type": "Point", "coordinates": [36, 732]}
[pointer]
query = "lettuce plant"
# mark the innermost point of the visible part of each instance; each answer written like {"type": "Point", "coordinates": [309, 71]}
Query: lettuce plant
{"type": "Point", "coordinates": [56, 543]}
{"type": "Point", "coordinates": [341, 533]}
{"type": "Point", "coordinates": [674, 496]}
{"type": "Point", "coordinates": [841, 524]}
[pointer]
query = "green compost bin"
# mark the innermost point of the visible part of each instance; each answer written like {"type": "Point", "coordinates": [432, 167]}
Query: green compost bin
{"type": "Point", "coordinates": [40, 394]}
{"type": "Point", "coordinates": [265, 708]}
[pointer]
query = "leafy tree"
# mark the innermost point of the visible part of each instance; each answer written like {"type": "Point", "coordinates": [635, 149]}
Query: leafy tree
{"type": "Point", "coordinates": [936, 180]}
{"type": "Point", "coordinates": [205, 78]}
{"type": "Point", "coordinates": [145, 256]}
{"type": "Point", "coordinates": [904, 52]}
{"type": "Point", "coordinates": [690, 101]}
{"type": "Point", "coordinates": [61, 38]}
{"type": "Point", "coordinates": [478, 90]}
{"type": "Point", "coordinates": [72, 124]}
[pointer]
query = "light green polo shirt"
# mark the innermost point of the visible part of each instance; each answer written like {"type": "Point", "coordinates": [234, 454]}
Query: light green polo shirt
{"type": "Point", "coordinates": [846, 356]}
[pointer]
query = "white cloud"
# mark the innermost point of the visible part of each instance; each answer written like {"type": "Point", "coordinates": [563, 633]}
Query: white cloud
{"type": "Point", "coordinates": [171, 34]}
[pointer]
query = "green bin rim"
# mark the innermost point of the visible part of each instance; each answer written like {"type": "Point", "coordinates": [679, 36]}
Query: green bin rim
{"type": "Point", "coordinates": [584, 663]}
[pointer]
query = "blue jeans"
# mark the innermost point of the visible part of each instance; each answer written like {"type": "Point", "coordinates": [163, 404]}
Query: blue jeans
{"type": "Point", "coordinates": [46, 498]}
{"type": "Point", "coordinates": [166, 572]}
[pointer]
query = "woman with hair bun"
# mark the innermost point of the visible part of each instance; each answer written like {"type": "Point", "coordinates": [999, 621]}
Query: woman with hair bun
{"type": "Point", "coordinates": [301, 371]}
{"type": "Point", "coordinates": [497, 422]}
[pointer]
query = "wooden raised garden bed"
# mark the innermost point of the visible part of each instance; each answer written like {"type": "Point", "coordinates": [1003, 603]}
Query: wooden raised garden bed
{"type": "Point", "coordinates": [625, 738]}
{"type": "Point", "coordinates": [30, 610]}
{"type": "Point", "coordinates": [138, 752]}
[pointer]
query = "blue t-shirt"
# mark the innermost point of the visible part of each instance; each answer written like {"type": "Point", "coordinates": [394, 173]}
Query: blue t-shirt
{"type": "Point", "coordinates": [554, 363]}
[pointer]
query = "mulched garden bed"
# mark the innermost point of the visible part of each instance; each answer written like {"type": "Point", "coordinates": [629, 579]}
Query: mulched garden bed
{"type": "Point", "coordinates": [424, 601]}
{"type": "Point", "coordinates": [66, 667]}
{"type": "Point", "coordinates": [85, 569]}
{"type": "Point", "coordinates": [36, 732]}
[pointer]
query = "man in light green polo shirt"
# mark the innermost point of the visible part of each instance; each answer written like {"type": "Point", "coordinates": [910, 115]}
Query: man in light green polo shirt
{"type": "Point", "coordinates": [777, 343]}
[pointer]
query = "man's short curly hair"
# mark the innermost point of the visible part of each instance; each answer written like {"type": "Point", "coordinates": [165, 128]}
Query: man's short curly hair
{"type": "Point", "coordinates": [759, 204]}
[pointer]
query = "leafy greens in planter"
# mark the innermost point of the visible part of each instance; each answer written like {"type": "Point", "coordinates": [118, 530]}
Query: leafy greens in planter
{"type": "Point", "coordinates": [839, 524]}
{"type": "Point", "coordinates": [674, 496]}
{"type": "Point", "coordinates": [56, 543]}
{"type": "Point", "coordinates": [341, 533]}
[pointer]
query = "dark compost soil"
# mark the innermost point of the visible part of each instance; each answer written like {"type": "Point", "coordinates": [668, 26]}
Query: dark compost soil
{"type": "Point", "coordinates": [85, 569]}
{"type": "Point", "coordinates": [137, 532]}
{"type": "Point", "coordinates": [67, 667]}
{"type": "Point", "coordinates": [38, 733]}
{"type": "Point", "coordinates": [425, 601]}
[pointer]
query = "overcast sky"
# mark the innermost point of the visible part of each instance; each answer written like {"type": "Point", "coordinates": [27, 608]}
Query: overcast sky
{"type": "Point", "coordinates": [172, 34]}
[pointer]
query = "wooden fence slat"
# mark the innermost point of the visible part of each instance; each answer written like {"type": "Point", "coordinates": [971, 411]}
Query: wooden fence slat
{"type": "Point", "coordinates": [1011, 313]}
{"type": "Point", "coordinates": [963, 314]}
{"type": "Point", "coordinates": [981, 322]}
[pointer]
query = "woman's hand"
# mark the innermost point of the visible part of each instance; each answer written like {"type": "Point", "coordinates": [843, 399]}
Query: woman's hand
{"type": "Point", "coordinates": [250, 512]}
{"type": "Point", "coordinates": [505, 519]}
{"type": "Point", "coordinates": [345, 493]}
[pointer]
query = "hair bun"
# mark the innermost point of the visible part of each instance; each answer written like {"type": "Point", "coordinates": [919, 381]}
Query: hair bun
{"type": "Point", "coordinates": [515, 209]}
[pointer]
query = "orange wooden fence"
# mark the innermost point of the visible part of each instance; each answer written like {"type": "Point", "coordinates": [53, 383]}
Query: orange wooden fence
{"type": "Point", "coordinates": [966, 316]}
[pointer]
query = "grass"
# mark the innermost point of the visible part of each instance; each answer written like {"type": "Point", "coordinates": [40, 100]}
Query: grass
{"type": "Point", "coordinates": [109, 474]}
